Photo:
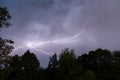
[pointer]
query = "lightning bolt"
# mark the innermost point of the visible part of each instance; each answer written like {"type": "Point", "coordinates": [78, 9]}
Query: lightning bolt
{"type": "Point", "coordinates": [34, 44]}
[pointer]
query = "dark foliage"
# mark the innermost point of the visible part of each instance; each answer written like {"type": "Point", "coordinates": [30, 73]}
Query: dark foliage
{"type": "Point", "coordinates": [5, 45]}
{"type": "Point", "coordinates": [4, 17]}
{"type": "Point", "coordinates": [96, 65]}
{"type": "Point", "coordinates": [25, 67]}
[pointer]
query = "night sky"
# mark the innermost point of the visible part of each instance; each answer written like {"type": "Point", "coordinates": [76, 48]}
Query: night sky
{"type": "Point", "coordinates": [47, 26]}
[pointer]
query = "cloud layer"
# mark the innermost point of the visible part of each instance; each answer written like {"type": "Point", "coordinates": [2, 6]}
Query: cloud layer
{"type": "Point", "coordinates": [41, 21]}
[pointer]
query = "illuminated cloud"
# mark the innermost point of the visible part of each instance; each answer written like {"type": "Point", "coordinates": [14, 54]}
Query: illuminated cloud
{"type": "Point", "coordinates": [47, 26]}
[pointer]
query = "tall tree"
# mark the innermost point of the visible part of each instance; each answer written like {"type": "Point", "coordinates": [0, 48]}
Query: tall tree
{"type": "Point", "coordinates": [30, 66]}
{"type": "Point", "coordinates": [67, 65]}
{"type": "Point", "coordinates": [16, 68]}
{"type": "Point", "coordinates": [52, 69]}
{"type": "Point", "coordinates": [53, 63]}
{"type": "Point", "coordinates": [5, 44]}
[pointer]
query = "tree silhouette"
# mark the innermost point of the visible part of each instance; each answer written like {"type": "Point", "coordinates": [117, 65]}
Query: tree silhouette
{"type": "Point", "coordinates": [5, 44]}
{"type": "Point", "coordinates": [16, 68]}
{"type": "Point", "coordinates": [52, 69]}
{"type": "Point", "coordinates": [53, 63]}
{"type": "Point", "coordinates": [67, 64]}
{"type": "Point", "coordinates": [100, 62]}
{"type": "Point", "coordinates": [30, 66]}
{"type": "Point", "coordinates": [96, 65]}
{"type": "Point", "coordinates": [25, 67]}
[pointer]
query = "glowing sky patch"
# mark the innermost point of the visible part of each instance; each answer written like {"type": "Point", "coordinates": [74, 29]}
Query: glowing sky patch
{"type": "Point", "coordinates": [34, 43]}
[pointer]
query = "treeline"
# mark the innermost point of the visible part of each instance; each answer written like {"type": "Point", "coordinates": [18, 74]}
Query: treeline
{"type": "Point", "coordinates": [95, 65]}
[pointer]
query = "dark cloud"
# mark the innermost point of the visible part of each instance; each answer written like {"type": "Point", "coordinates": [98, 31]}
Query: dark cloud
{"type": "Point", "coordinates": [54, 20]}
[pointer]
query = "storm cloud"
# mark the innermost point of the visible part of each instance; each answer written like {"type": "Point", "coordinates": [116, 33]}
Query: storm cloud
{"type": "Point", "coordinates": [78, 24]}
